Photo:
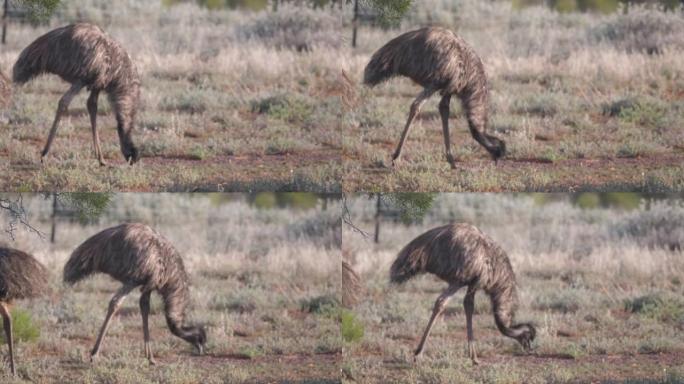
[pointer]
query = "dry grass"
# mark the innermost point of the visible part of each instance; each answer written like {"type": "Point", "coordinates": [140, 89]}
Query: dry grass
{"type": "Point", "coordinates": [254, 272]}
{"type": "Point", "coordinates": [198, 128]}
{"type": "Point", "coordinates": [603, 287]}
{"type": "Point", "coordinates": [552, 77]}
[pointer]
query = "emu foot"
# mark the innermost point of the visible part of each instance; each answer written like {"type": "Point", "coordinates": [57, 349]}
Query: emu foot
{"type": "Point", "coordinates": [451, 161]}
{"type": "Point", "coordinates": [396, 159]}
{"type": "Point", "coordinates": [417, 355]}
{"type": "Point", "coordinates": [473, 354]}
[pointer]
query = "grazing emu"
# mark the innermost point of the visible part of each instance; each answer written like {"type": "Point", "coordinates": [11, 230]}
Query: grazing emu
{"type": "Point", "coordinates": [137, 256]}
{"type": "Point", "coordinates": [462, 255]}
{"type": "Point", "coordinates": [438, 60]}
{"type": "Point", "coordinates": [84, 56]}
{"type": "Point", "coordinates": [21, 276]}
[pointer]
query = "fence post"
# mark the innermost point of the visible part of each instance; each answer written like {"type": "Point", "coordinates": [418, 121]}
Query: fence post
{"type": "Point", "coordinates": [355, 22]}
{"type": "Point", "coordinates": [4, 21]}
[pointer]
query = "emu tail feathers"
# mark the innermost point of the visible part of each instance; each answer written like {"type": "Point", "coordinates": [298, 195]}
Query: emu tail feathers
{"type": "Point", "coordinates": [79, 266]}
{"type": "Point", "coordinates": [33, 60]}
{"type": "Point", "coordinates": [409, 263]}
{"type": "Point", "coordinates": [381, 65]}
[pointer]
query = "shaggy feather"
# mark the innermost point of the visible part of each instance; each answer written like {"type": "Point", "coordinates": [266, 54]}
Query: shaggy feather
{"type": "Point", "coordinates": [438, 59]}
{"type": "Point", "coordinates": [136, 255]}
{"type": "Point", "coordinates": [461, 255]}
{"type": "Point", "coordinates": [21, 276]}
{"type": "Point", "coordinates": [84, 53]}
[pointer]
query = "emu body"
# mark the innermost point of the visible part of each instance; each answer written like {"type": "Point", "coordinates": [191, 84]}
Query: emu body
{"type": "Point", "coordinates": [84, 56]}
{"type": "Point", "coordinates": [439, 61]}
{"type": "Point", "coordinates": [21, 276]}
{"type": "Point", "coordinates": [137, 256]}
{"type": "Point", "coordinates": [463, 256]}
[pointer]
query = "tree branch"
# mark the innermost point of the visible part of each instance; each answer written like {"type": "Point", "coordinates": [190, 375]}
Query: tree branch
{"type": "Point", "coordinates": [17, 217]}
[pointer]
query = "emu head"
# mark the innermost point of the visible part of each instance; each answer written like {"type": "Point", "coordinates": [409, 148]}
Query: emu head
{"type": "Point", "coordinates": [130, 152]}
{"type": "Point", "coordinates": [128, 149]}
{"type": "Point", "coordinates": [525, 334]}
{"type": "Point", "coordinates": [195, 335]}
{"type": "Point", "coordinates": [497, 148]}
{"type": "Point", "coordinates": [126, 103]}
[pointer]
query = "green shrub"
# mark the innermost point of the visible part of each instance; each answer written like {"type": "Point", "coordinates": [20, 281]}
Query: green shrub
{"type": "Point", "coordinates": [23, 328]}
{"type": "Point", "coordinates": [540, 105]}
{"type": "Point", "coordinates": [289, 108]}
{"type": "Point", "coordinates": [352, 329]}
{"type": "Point", "coordinates": [322, 305]}
{"type": "Point", "coordinates": [659, 306]}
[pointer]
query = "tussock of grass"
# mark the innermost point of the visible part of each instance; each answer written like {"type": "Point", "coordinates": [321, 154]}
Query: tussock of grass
{"type": "Point", "coordinates": [23, 327]}
{"type": "Point", "coordinates": [659, 306]}
{"type": "Point", "coordinates": [351, 328]}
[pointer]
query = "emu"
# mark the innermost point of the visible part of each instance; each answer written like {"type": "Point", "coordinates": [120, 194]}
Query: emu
{"type": "Point", "coordinates": [21, 277]}
{"type": "Point", "coordinates": [461, 255]}
{"type": "Point", "coordinates": [137, 256]}
{"type": "Point", "coordinates": [84, 56]}
{"type": "Point", "coordinates": [438, 60]}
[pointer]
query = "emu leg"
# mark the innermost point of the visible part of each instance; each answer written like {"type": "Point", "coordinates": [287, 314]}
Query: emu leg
{"type": "Point", "coordinates": [415, 108]}
{"type": "Point", "coordinates": [92, 110]}
{"type": "Point", "coordinates": [62, 107]}
{"type": "Point", "coordinates": [469, 306]}
{"type": "Point", "coordinates": [444, 113]}
{"type": "Point", "coordinates": [114, 305]}
{"type": "Point", "coordinates": [436, 311]}
{"type": "Point", "coordinates": [145, 312]}
{"type": "Point", "coordinates": [7, 324]}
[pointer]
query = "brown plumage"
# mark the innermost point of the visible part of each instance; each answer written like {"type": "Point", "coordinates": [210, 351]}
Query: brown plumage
{"type": "Point", "coordinates": [137, 256]}
{"type": "Point", "coordinates": [351, 285]}
{"type": "Point", "coordinates": [438, 60]}
{"type": "Point", "coordinates": [21, 277]}
{"type": "Point", "coordinates": [462, 255]}
{"type": "Point", "coordinates": [84, 56]}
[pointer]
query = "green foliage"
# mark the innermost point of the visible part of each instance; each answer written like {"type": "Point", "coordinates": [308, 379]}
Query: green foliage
{"type": "Point", "coordinates": [602, 6]}
{"type": "Point", "coordinates": [352, 329]}
{"type": "Point", "coordinates": [592, 200]}
{"type": "Point", "coordinates": [251, 352]}
{"type": "Point", "coordinates": [88, 206]}
{"type": "Point", "coordinates": [40, 9]}
{"type": "Point", "coordinates": [321, 305]}
{"type": "Point", "coordinates": [294, 200]}
{"type": "Point", "coordinates": [658, 306]}
{"type": "Point", "coordinates": [23, 328]}
{"type": "Point", "coordinates": [390, 11]}
{"type": "Point", "coordinates": [412, 205]}
{"type": "Point", "coordinates": [285, 107]}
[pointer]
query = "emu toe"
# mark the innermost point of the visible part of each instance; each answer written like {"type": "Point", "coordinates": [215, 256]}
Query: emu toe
{"type": "Point", "coordinates": [473, 354]}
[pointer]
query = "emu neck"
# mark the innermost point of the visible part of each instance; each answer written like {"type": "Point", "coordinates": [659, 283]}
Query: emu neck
{"type": "Point", "coordinates": [504, 303]}
{"type": "Point", "coordinates": [175, 301]}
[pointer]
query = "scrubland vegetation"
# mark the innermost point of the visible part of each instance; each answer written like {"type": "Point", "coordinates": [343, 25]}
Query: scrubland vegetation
{"type": "Point", "coordinates": [585, 101]}
{"type": "Point", "coordinates": [232, 100]}
{"type": "Point", "coordinates": [264, 282]}
{"type": "Point", "coordinates": [602, 285]}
